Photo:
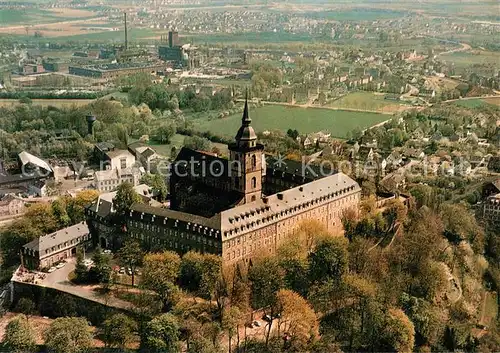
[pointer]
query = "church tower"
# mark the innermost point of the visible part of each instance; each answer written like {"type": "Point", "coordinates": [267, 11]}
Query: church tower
{"type": "Point", "coordinates": [246, 160]}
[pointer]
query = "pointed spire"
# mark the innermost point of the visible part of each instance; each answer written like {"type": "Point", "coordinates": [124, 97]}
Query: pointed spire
{"type": "Point", "coordinates": [246, 118]}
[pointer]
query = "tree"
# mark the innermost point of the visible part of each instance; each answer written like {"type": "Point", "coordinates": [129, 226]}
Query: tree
{"type": "Point", "coordinates": [165, 132]}
{"type": "Point", "coordinates": [81, 273]}
{"type": "Point", "coordinates": [297, 318]}
{"type": "Point", "coordinates": [162, 334]}
{"type": "Point", "coordinates": [230, 322]}
{"type": "Point", "coordinates": [19, 336]}
{"type": "Point", "coordinates": [267, 279]}
{"type": "Point", "coordinates": [42, 217]}
{"type": "Point", "coordinates": [329, 260]}
{"type": "Point", "coordinates": [159, 273]}
{"type": "Point", "coordinates": [100, 272]}
{"type": "Point", "coordinates": [60, 213]}
{"type": "Point", "coordinates": [197, 143]}
{"type": "Point", "coordinates": [76, 205]}
{"type": "Point", "coordinates": [26, 306]}
{"type": "Point", "coordinates": [125, 197]}
{"type": "Point", "coordinates": [14, 236]}
{"type": "Point", "coordinates": [399, 331]}
{"type": "Point", "coordinates": [157, 183]}
{"type": "Point", "coordinates": [118, 330]}
{"type": "Point", "coordinates": [68, 335]}
{"type": "Point", "coordinates": [131, 255]}
{"type": "Point", "coordinates": [200, 272]}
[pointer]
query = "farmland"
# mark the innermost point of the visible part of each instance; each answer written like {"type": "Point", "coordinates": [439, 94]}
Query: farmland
{"type": "Point", "coordinates": [469, 58]}
{"type": "Point", "coordinates": [305, 120]}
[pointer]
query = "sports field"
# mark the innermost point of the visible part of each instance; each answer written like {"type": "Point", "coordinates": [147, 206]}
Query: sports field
{"type": "Point", "coordinates": [368, 101]}
{"type": "Point", "coordinates": [305, 120]}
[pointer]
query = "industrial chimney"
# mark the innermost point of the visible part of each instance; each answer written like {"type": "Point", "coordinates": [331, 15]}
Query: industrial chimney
{"type": "Point", "coordinates": [126, 34]}
{"type": "Point", "coordinates": [90, 122]}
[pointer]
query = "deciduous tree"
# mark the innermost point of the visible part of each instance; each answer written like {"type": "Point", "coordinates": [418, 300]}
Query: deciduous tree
{"type": "Point", "coordinates": [68, 335]}
{"type": "Point", "coordinates": [162, 335]}
{"type": "Point", "coordinates": [159, 274]}
{"type": "Point", "coordinates": [19, 336]}
{"type": "Point", "coordinates": [118, 330]}
{"type": "Point", "coordinates": [125, 197]}
{"type": "Point", "coordinates": [131, 255]}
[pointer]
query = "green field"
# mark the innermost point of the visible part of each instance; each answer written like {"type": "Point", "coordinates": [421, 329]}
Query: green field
{"type": "Point", "coordinates": [462, 59]}
{"type": "Point", "coordinates": [366, 101]}
{"type": "Point", "coordinates": [177, 141]}
{"type": "Point", "coordinates": [477, 103]}
{"type": "Point", "coordinates": [356, 15]}
{"type": "Point", "coordinates": [108, 36]}
{"type": "Point", "coordinates": [12, 17]}
{"type": "Point", "coordinates": [305, 120]}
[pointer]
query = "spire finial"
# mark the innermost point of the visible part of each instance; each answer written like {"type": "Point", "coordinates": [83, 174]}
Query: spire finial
{"type": "Point", "coordinates": [246, 118]}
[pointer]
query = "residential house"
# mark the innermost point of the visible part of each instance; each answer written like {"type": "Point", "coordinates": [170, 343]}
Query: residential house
{"type": "Point", "coordinates": [11, 205]}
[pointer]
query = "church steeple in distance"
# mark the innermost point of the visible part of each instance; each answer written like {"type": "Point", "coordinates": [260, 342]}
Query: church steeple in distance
{"type": "Point", "coordinates": [246, 136]}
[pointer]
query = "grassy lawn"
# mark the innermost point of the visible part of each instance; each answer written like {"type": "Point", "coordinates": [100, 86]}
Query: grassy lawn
{"type": "Point", "coordinates": [305, 120]}
{"type": "Point", "coordinates": [108, 36]}
{"type": "Point", "coordinates": [25, 16]}
{"type": "Point", "coordinates": [465, 59]}
{"type": "Point", "coordinates": [366, 101]}
{"type": "Point", "coordinates": [356, 15]}
{"type": "Point", "coordinates": [178, 141]}
{"type": "Point", "coordinates": [164, 150]}
{"type": "Point", "coordinates": [476, 103]}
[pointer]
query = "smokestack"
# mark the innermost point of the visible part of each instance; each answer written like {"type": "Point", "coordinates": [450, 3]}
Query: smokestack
{"type": "Point", "coordinates": [90, 122]}
{"type": "Point", "coordinates": [126, 34]}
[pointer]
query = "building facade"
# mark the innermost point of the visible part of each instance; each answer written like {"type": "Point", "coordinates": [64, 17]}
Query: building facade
{"type": "Point", "coordinates": [242, 206]}
{"type": "Point", "coordinates": [491, 209]}
{"type": "Point", "coordinates": [50, 249]}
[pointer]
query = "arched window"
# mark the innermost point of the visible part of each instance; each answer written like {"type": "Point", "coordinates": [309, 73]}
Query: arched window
{"type": "Point", "coordinates": [254, 161]}
{"type": "Point", "coordinates": [254, 183]}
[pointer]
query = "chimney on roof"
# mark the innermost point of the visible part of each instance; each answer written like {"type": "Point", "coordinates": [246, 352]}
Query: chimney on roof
{"type": "Point", "coordinates": [265, 199]}
{"type": "Point", "coordinates": [126, 33]}
{"type": "Point", "coordinates": [280, 196]}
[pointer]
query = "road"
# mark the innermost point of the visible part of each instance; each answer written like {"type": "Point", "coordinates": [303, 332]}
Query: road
{"type": "Point", "coordinates": [470, 98]}
{"type": "Point", "coordinates": [59, 280]}
{"type": "Point", "coordinates": [465, 47]}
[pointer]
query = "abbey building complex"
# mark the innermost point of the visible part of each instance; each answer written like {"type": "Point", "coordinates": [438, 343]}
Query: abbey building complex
{"type": "Point", "coordinates": [236, 207]}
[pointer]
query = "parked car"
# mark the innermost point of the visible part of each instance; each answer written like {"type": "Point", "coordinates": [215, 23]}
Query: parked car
{"type": "Point", "coordinates": [267, 318]}
{"type": "Point", "coordinates": [52, 269]}
{"type": "Point", "coordinates": [122, 270]}
{"type": "Point", "coordinates": [107, 251]}
{"type": "Point", "coordinates": [129, 271]}
{"type": "Point", "coordinates": [61, 264]}
{"type": "Point", "coordinates": [257, 323]}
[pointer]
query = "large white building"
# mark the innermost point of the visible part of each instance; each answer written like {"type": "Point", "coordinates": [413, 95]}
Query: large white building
{"type": "Point", "coordinates": [117, 167]}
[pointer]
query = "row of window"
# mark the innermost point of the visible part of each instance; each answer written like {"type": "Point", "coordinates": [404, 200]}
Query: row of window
{"type": "Point", "coordinates": [290, 211]}
{"type": "Point", "coordinates": [67, 243]}
{"type": "Point", "coordinates": [172, 244]}
{"type": "Point", "coordinates": [172, 233]}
